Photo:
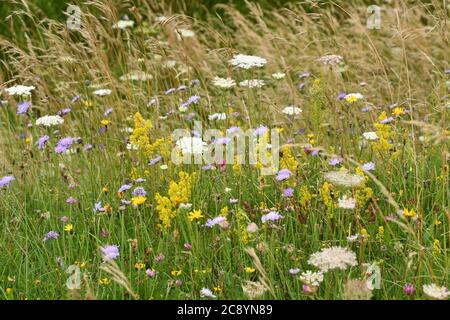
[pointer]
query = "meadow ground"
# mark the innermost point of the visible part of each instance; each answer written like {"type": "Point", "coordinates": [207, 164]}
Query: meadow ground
{"type": "Point", "coordinates": [93, 206]}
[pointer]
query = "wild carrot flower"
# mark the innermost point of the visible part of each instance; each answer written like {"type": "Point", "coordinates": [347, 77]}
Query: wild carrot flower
{"type": "Point", "coordinates": [49, 121]}
{"type": "Point", "coordinates": [207, 293]}
{"type": "Point", "coordinates": [247, 62]}
{"type": "Point", "coordinates": [333, 258]}
{"type": "Point", "coordinates": [436, 292]}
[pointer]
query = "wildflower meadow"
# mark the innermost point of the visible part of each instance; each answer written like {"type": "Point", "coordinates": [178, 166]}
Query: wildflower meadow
{"type": "Point", "coordinates": [218, 150]}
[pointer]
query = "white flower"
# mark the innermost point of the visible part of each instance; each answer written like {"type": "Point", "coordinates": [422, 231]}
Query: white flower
{"type": "Point", "coordinates": [217, 116]}
{"type": "Point", "coordinates": [20, 90]}
{"type": "Point", "coordinates": [346, 203]}
{"type": "Point", "coordinates": [312, 278]}
{"type": "Point", "coordinates": [330, 60]}
{"type": "Point", "coordinates": [185, 206]}
{"type": "Point", "coordinates": [131, 146]}
{"type": "Point", "coordinates": [278, 75]}
{"type": "Point", "coordinates": [49, 121]}
{"type": "Point", "coordinates": [164, 167]}
{"type": "Point", "coordinates": [247, 62]}
{"type": "Point", "coordinates": [252, 227]}
{"type": "Point", "coordinates": [344, 179]}
{"type": "Point", "coordinates": [353, 238]}
{"type": "Point", "coordinates": [353, 97]}
{"type": "Point", "coordinates": [227, 189]}
{"type": "Point", "coordinates": [271, 216]}
{"type": "Point", "coordinates": [170, 64]}
{"type": "Point", "coordinates": [123, 24]}
{"type": "Point", "coordinates": [333, 258]}
{"type": "Point", "coordinates": [292, 110]}
{"type": "Point", "coordinates": [370, 135]}
{"type": "Point", "coordinates": [102, 92]}
{"type": "Point", "coordinates": [252, 83]}
{"type": "Point", "coordinates": [136, 76]}
{"type": "Point", "coordinates": [191, 145]}
{"type": "Point", "coordinates": [185, 33]}
{"type": "Point", "coordinates": [436, 292]}
{"type": "Point", "coordinates": [206, 293]}
{"type": "Point", "coordinates": [223, 83]}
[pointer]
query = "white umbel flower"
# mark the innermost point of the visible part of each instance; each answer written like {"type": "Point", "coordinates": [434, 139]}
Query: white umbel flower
{"type": "Point", "coordinates": [20, 90]}
{"type": "Point", "coordinates": [136, 76]}
{"type": "Point", "coordinates": [185, 33]}
{"type": "Point", "coordinates": [123, 24]}
{"type": "Point", "coordinates": [247, 62]}
{"type": "Point", "coordinates": [207, 293]}
{"type": "Point", "coordinates": [223, 83]}
{"type": "Point", "coordinates": [436, 292]}
{"type": "Point", "coordinates": [191, 145]}
{"type": "Point", "coordinates": [102, 92]}
{"type": "Point", "coordinates": [278, 75]}
{"type": "Point", "coordinates": [312, 278]}
{"type": "Point", "coordinates": [344, 179]}
{"type": "Point", "coordinates": [49, 121]}
{"type": "Point", "coordinates": [333, 258]}
{"type": "Point", "coordinates": [346, 203]}
{"type": "Point", "coordinates": [370, 135]}
{"type": "Point", "coordinates": [252, 83]}
{"type": "Point", "coordinates": [331, 60]}
{"type": "Point", "coordinates": [217, 116]}
{"type": "Point", "coordinates": [292, 110]}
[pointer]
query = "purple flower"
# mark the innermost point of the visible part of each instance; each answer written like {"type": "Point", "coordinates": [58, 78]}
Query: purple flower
{"type": "Point", "coordinates": [447, 71]}
{"type": "Point", "coordinates": [23, 107]}
{"type": "Point", "coordinates": [283, 174]}
{"type": "Point", "coordinates": [75, 98]}
{"type": "Point", "coordinates": [160, 257]}
{"type": "Point", "coordinates": [223, 140]}
{"type": "Point", "coordinates": [182, 87]}
{"type": "Point", "coordinates": [64, 144]}
{"type": "Point", "coordinates": [369, 166]}
{"type": "Point", "coordinates": [187, 246]}
{"type": "Point", "coordinates": [124, 187]}
{"type": "Point", "coordinates": [154, 161]}
{"type": "Point", "coordinates": [190, 116]}
{"type": "Point", "coordinates": [108, 111]}
{"type": "Point", "coordinates": [51, 235]}
{"type": "Point", "coordinates": [409, 289]}
{"type": "Point", "coordinates": [150, 273]}
{"type": "Point", "coordinates": [233, 129]}
{"type": "Point", "coordinates": [261, 130]}
{"type": "Point", "coordinates": [207, 167]}
{"type": "Point", "coordinates": [194, 82]}
{"type": "Point", "coordinates": [387, 120]}
{"type": "Point", "coordinates": [65, 111]}
{"type": "Point", "coordinates": [98, 207]}
{"type": "Point", "coordinates": [64, 219]}
{"type": "Point", "coordinates": [71, 200]}
{"type": "Point", "coordinates": [212, 222]}
{"type": "Point", "coordinates": [288, 192]}
{"type": "Point", "coordinates": [42, 141]}
{"type": "Point", "coordinates": [301, 85]}
{"type": "Point", "coordinates": [139, 191]}
{"type": "Point", "coordinates": [193, 99]}
{"type": "Point", "coordinates": [6, 181]}
{"type": "Point", "coordinates": [152, 102]}
{"type": "Point", "coordinates": [171, 90]}
{"type": "Point", "coordinates": [271, 216]}
{"type": "Point", "coordinates": [334, 162]}
{"type": "Point", "coordinates": [110, 252]}
{"type": "Point", "coordinates": [304, 74]}
{"type": "Point", "coordinates": [341, 95]}
{"type": "Point", "coordinates": [87, 147]}
{"type": "Point", "coordinates": [139, 180]}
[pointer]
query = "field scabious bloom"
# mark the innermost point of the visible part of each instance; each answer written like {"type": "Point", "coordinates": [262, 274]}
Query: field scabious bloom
{"type": "Point", "coordinates": [64, 144]}
{"type": "Point", "coordinates": [110, 252]}
{"type": "Point", "coordinates": [344, 179]}
{"type": "Point", "coordinates": [271, 216]}
{"type": "Point", "coordinates": [247, 61]}
{"type": "Point", "coordinates": [23, 107]}
{"type": "Point", "coordinates": [6, 181]}
{"type": "Point", "coordinates": [51, 235]}
{"type": "Point", "coordinates": [333, 258]}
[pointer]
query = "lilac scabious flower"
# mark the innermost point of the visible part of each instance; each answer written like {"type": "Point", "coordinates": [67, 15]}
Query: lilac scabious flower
{"type": "Point", "coordinates": [124, 187]}
{"type": "Point", "coordinates": [139, 180]}
{"type": "Point", "coordinates": [233, 129]}
{"type": "Point", "coordinates": [207, 167]}
{"type": "Point", "coordinates": [261, 130]}
{"type": "Point", "coordinates": [154, 161]}
{"type": "Point", "coordinates": [182, 87]}
{"type": "Point", "coordinates": [335, 161]}
{"type": "Point", "coordinates": [98, 207]}
{"type": "Point", "coordinates": [233, 201]}
{"type": "Point", "coordinates": [51, 235]}
{"type": "Point", "coordinates": [110, 252]}
{"type": "Point", "coordinates": [169, 91]}
{"type": "Point", "coordinates": [75, 98]}
{"type": "Point", "coordinates": [64, 111]}
{"type": "Point", "coordinates": [150, 273]}
{"type": "Point", "coordinates": [139, 191]}
{"type": "Point", "coordinates": [190, 116]}
{"type": "Point", "coordinates": [294, 271]}
{"type": "Point", "coordinates": [42, 141]}
{"type": "Point", "coordinates": [222, 140]}
{"type": "Point", "coordinates": [283, 174]}
{"type": "Point", "coordinates": [301, 85]}
{"type": "Point", "coordinates": [64, 144]}
{"type": "Point", "coordinates": [23, 107]}
{"type": "Point", "coordinates": [271, 216]}
{"type": "Point", "coordinates": [288, 192]}
{"type": "Point", "coordinates": [6, 181]}
{"type": "Point", "coordinates": [369, 166]}
{"type": "Point", "coordinates": [341, 95]}
{"type": "Point", "coordinates": [212, 222]}
{"type": "Point", "coordinates": [387, 120]}
{"type": "Point", "coordinates": [304, 74]}
{"type": "Point", "coordinates": [87, 147]}
{"type": "Point", "coordinates": [108, 111]}
{"type": "Point", "coordinates": [71, 200]}
{"type": "Point", "coordinates": [193, 99]}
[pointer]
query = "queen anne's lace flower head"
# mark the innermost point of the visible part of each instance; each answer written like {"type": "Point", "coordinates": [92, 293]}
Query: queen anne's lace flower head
{"type": "Point", "coordinates": [252, 83]}
{"type": "Point", "coordinates": [333, 258]}
{"type": "Point", "coordinates": [312, 278]}
{"type": "Point", "coordinates": [292, 110]}
{"type": "Point", "coordinates": [331, 60]}
{"type": "Point", "coordinates": [191, 145]}
{"type": "Point", "coordinates": [223, 83]}
{"type": "Point", "coordinates": [344, 179]}
{"type": "Point", "coordinates": [20, 90]}
{"type": "Point", "coordinates": [49, 121]}
{"type": "Point", "coordinates": [436, 292]}
{"type": "Point", "coordinates": [247, 62]}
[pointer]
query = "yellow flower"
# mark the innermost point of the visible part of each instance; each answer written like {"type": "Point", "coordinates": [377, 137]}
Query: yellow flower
{"type": "Point", "coordinates": [436, 247]}
{"type": "Point", "coordinates": [136, 201]}
{"type": "Point", "coordinates": [195, 215]}
{"type": "Point", "coordinates": [364, 234]}
{"type": "Point", "coordinates": [104, 281]}
{"type": "Point", "coordinates": [249, 269]}
{"type": "Point", "coordinates": [105, 189]}
{"type": "Point", "coordinates": [398, 111]}
{"type": "Point", "coordinates": [409, 213]}
{"type": "Point", "coordinates": [105, 122]}
{"type": "Point", "coordinates": [87, 103]}
{"type": "Point", "coordinates": [217, 289]}
{"type": "Point", "coordinates": [80, 264]}
{"type": "Point", "coordinates": [139, 265]}
{"type": "Point", "coordinates": [176, 273]}
{"type": "Point", "coordinates": [68, 228]}
{"type": "Point", "coordinates": [437, 222]}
